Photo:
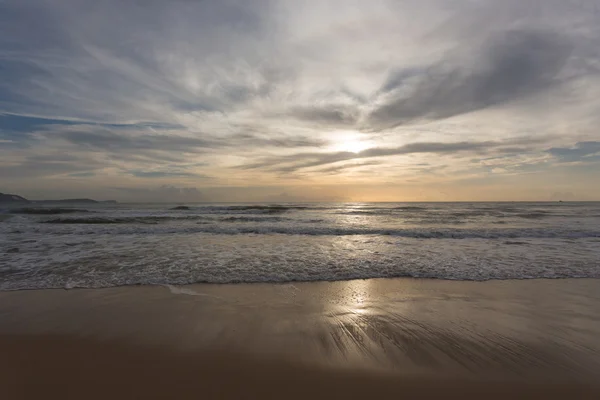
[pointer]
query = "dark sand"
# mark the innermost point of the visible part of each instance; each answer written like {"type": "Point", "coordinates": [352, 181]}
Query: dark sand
{"type": "Point", "coordinates": [73, 368]}
{"type": "Point", "coordinates": [357, 339]}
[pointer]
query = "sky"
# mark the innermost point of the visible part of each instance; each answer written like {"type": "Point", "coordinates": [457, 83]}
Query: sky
{"type": "Point", "coordinates": [299, 100]}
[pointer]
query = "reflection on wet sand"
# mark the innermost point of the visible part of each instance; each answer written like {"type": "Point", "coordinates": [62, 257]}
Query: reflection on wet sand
{"type": "Point", "coordinates": [516, 328]}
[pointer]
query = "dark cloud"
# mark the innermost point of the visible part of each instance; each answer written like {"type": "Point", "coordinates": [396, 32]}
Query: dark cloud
{"type": "Point", "coordinates": [583, 151]}
{"type": "Point", "coordinates": [245, 140]}
{"type": "Point", "coordinates": [20, 123]}
{"type": "Point", "coordinates": [27, 123]}
{"type": "Point", "coordinates": [341, 168]}
{"type": "Point", "coordinates": [118, 141]}
{"type": "Point", "coordinates": [508, 66]}
{"type": "Point", "coordinates": [148, 157]}
{"type": "Point", "coordinates": [513, 150]}
{"type": "Point", "coordinates": [142, 150]}
{"type": "Point", "coordinates": [82, 174]}
{"type": "Point", "coordinates": [34, 168]}
{"type": "Point", "coordinates": [165, 174]}
{"type": "Point", "coordinates": [329, 115]}
{"type": "Point", "coordinates": [298, 161]}
{"type": "Point", "coordinates": [113, 141]}
{"type": "Point", "coordinates": [151, 148]}
{"type": "Point", "coordinates": [57, 157]}
{"type": "Point", "coordinates": [19, 131]}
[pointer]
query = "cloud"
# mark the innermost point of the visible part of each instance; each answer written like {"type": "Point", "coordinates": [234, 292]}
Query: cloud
{"type": "Point", "coordinates": [82, 174]}
{"type": "Point", "coordinates": [113, 141]}
{"type": "Point", "coordinates": [294, 162]}
{"type": "Point", "coordinates": [328, 115]}
{"type": "Point", "coordinates": [509, 65]}
{"type": "Point", "coordinates": [166, 174]}
{"type": "Point", "coordinates": [341, 168]}
{"type": "Point", "coordinates": [135, 64]}
{"type": "Point", "coordinates": [32, 168]}
{"type": "Point", "coordinates": [121, 137]}
{"type": "Point", "coordinates": [284, 141]}
{"type": "Point", "coordinates": [135, 92]}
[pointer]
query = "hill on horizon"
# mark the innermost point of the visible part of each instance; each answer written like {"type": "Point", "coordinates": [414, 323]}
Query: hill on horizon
{"type": "Point", "coordinates": [14, 198]}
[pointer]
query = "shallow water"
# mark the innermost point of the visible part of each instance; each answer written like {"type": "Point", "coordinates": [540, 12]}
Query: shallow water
{"type": "Point", "coordinates": [105, 245]}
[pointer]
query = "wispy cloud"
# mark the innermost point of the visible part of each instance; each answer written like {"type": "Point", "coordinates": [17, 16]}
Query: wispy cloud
{"type": "Point", "coordinates": [336, 169]}
{"type": "Point", "coordinates": [294, 162]}
{"type": "Point", "coordinates": [164, 174]}
{"type": "Point", "coordinates": [340, 115]}
{"type": "Point", "coordinates": [39, 168]}
{"type": "Point", "coordinates": [509, 65]}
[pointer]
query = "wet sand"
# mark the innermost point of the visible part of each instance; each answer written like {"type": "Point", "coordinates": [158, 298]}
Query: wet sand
{"type": "Point", "coordinates": [65, 367]}
{"type": "Point", "coordinates": [369, 337]}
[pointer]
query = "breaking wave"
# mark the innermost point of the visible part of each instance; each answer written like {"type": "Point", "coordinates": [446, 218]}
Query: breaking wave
{"type": "Point", "coordinates": [152, 226]}
{"type": "Point", "coordinates": [274, 209]}
{"type": "Point", "coordinates": [120, 220]}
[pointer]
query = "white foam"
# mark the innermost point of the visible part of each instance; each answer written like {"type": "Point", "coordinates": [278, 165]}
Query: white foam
{"type": "Point", "coordinates": [72, 284]}
{"type": "Point", "coordinates": [187, 291]}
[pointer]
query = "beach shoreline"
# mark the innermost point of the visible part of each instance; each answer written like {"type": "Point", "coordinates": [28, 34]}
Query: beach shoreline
{"type": "Point", "coordinates": [520, 329]}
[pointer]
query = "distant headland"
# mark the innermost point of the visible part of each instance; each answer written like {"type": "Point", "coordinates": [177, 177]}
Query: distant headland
{"type": "Point", "coordinates": [13, 198]}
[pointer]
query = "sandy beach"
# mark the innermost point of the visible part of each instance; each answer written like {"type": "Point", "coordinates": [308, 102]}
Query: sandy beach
{"type": "Point", "coordinates": [73, 368]}
{"type": "Point", "coordinates": [385, 336]}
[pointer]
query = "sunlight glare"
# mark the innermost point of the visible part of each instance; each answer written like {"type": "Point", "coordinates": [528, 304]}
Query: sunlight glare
{"type": "Point", "coordinates": [349, 141]}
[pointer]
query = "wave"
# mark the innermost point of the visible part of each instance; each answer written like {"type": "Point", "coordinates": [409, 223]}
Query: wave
{"type": "Point", "coordinates": [533, 215]}
{"type": "Point", "coordinates": [177, 285]}
{"type": "Point", "coordinates": [246, 209]}
{"type": "Point", "coordinates": [98, 220]}
{"type": "Point", "coordinates": [385, 210]}
{"type": "Point", "coordinates": [210, 227]}
{"type": "Point", "coordinates": [48, 211]}
{"type": "Point", "coordinates": [167, 218]}
{"type": "Point", "coordinates": [123, 220]}
{"type": "Point", "coordinates": [377, 211]}
{"type": "Point", "coordinates": [5, 217]}
{"type": "Point", "coordinates": [441, 216]}
{"type": "Point", "coordinates": [408, 233]}
{"type": "Point", "coordinates": [267, 209]}
{"type": "Point", "coordinates": [254, 219]}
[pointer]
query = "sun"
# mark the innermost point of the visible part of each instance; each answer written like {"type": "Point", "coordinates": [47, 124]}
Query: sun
{"type": "Point", "coordinates": [352, 142]}
{"type": "Point", "coordinates": [353, 146]}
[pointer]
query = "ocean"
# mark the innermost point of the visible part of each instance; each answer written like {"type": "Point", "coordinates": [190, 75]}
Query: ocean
{"type": "Point", "coordinates": [105, 245]}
